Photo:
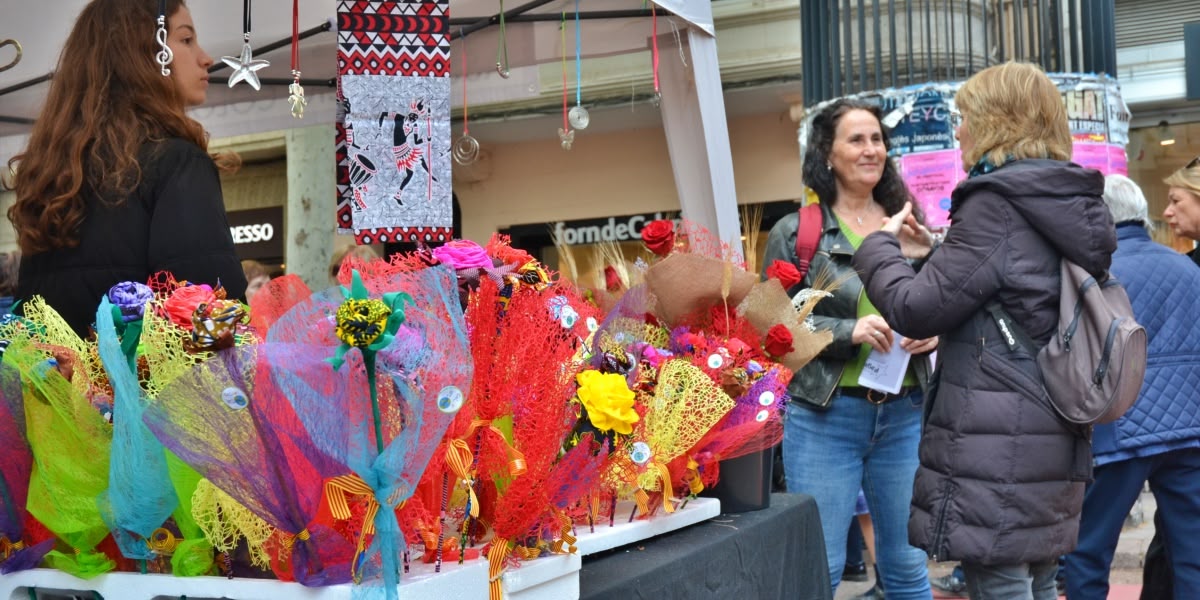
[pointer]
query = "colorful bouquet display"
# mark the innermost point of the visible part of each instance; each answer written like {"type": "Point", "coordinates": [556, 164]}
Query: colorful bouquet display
{"type": "Point", "coordinates": [444, 404]}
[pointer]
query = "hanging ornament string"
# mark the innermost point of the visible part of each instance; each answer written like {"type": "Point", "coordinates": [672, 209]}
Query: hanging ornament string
{"type": "Point", "coordinates": [466, 149]}
{"type": "Point", "coordinates": [502, 50]}
{"type": "Point", "coordinates": [566, 135]}
{"type": "Point", "coordinates": [654, 52]}
{"type": "Point", "coordinates": [245, 67]}
{"type": "Point", "coordinates": [165, 55]}
{"type": "Point", "coordinates": [579, 115]}
{"type": "Point", "coordinates": [296, 91]}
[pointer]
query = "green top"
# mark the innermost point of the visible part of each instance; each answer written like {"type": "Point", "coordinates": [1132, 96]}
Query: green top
{"type": "Point", "coordinates": [854, 366]}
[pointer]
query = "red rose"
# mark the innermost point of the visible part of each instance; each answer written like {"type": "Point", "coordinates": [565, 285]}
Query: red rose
{"type": "Point", "coordinates": [183, 303]}
{"type": "Point", "coordinates": [659, 236]}
{"type": "Point", "coordinates": [779, 341]}
{"type": "Point", "coordinates": [612, 281]}
{"type": "Point", "coordinates": [785, 272]}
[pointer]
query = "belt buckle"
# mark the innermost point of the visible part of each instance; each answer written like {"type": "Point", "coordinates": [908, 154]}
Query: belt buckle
{"type": "Point", "coordinates": [876, 397]}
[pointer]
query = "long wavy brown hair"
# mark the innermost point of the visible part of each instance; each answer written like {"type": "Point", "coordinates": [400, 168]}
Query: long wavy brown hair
{"type": "Point", "coordinates": [106, 100]}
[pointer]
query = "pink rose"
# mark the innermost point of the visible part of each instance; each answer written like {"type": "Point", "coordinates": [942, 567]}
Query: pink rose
{"type": "Point", "coordinates": [183, 303]}
{"type": "Point", "coordinates": [463, 254]}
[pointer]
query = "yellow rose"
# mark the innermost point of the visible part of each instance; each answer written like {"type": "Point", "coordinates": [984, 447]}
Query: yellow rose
{"type": "Point", "coordinates": [608, 400]}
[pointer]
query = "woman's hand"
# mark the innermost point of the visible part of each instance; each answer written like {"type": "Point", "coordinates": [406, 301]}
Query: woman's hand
{"type": "Point", "coordinates": [919, 346]}
{"type": "Point", "coordinates": [915, 239]}
{"type": "Point", "coordinates": [873, 331]}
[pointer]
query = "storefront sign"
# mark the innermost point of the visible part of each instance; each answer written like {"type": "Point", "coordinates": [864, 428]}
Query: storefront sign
{"type": "Point", "coordinates": [612, 229]}
{"type": "Point", "coordinates": [257, 233]}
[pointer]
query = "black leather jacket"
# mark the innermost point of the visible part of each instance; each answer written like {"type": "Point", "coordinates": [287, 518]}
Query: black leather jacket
{"type": "Point", "coordinates": [813, 386]}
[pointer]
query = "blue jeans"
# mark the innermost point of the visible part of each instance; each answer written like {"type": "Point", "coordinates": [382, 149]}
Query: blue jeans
{"type": "Point", "coordinates": [854, 444]}
{"type": "Point", "coordinates": [1175, 481]}
{"type": "Point", "coordinates": [1027, 581]}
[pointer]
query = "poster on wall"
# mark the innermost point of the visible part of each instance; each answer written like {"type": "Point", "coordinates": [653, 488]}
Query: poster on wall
{"type": "Point", "coordinates": [393, 121]}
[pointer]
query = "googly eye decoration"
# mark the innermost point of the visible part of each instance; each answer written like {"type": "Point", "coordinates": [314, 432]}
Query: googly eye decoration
{"type": "Point", "coordinates": [762, 415]}
{"type": "Point", "coordinates": [234, 398]}
{"type": "Point", "coordinates": [715, 361]}
{"type": "Point", "coordinates": [767, 398]}
{"type": "Point", "coordinates": [640, 453]}
{"type": "Point", "coordinates": [568, 317]}
{"type": "Point", "coordinates": [450, 399]}
{"type": "Point", "coordinates": [593, 325]}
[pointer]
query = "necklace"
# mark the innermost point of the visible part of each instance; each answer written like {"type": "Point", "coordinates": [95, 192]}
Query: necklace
{"type": "Point", "coordinates": [857, 218]}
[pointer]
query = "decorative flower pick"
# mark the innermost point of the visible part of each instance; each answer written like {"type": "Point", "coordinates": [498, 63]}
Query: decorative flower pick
{"type": "Point", "coordinates": [369, 324]}
{"type": "Point", "coordinates": [245, 67]}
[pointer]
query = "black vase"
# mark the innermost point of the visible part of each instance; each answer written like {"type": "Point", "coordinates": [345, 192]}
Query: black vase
{"type": "Point", "coordinates": [745, 483]}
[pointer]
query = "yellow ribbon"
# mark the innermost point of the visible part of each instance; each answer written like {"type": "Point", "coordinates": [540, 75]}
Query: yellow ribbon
{"type": "Point", "coordinates": [565, 537]}
{"type": "Point", "coordinates": [527, 552]}
{"type": "Point", "coordinates": [162, 542]}
{"type": "Point", "coordinates": [459, 459]}
{"type": "Point", "coordinates": [337, 490]}
{"type": "Point", "coordinates": [668, 492]}
{"type": "Point", "coordinates": [642, 499]}
{"type": "Point", "coordinates": [290, 540]}
{"type": "Point", "coordinates": [8, 548]}
{"type": "Point", "coordinates": [516, 460]}
{"type": "Point", "coordinates": [693, 476]}
{"type": "Point", "coordinates": [497, 554]}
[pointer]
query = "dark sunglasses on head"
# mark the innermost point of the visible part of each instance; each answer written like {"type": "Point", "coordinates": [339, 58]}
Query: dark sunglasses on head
{"type": "Point", "coordinates": [1195, 163]}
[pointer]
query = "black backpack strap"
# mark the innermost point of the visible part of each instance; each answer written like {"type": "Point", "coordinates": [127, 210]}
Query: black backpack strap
{"type": "Point", "coordinates": [1013, 334]}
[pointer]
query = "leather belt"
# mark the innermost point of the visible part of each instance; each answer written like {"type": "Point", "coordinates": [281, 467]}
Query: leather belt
{"type": "Point", "coordinates": [877, 397]}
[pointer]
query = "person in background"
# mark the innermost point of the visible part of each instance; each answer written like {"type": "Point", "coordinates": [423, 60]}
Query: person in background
{"type": "Point", "coordinates": [362, 253]}
{"type": "Point", "coordinates": [1158, 439]}
{"type": "Point", "coordinates": [10, 263]}
{"type": "Point", "coordinates": [257, 276]}
{"type": "Point", "coordinates": [1001, 478]}
{"type": "Point", "coordinates": [1183, 216]}
{"type": "Point", "coordinates": [839, 436]}
{"type": "Point", "coordinates": [116, 183]}
{"type": "Point", "coordinates": [1183, 204]}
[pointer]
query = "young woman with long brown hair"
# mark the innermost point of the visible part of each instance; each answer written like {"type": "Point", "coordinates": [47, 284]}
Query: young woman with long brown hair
{"type": "Point", "coordinates": [116, 183]}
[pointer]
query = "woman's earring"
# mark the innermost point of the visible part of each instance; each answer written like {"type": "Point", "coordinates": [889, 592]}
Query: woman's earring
{"type": "Point", "coordinates": [828, 166]}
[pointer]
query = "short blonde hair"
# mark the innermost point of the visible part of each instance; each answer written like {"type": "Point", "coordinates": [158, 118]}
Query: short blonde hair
{"type": "Point", "coordinates": [1188, 179]}
{"type": "Point", "coordinates": [1013, 111]}
{"type": "Point", "coordinates": [363, 253]}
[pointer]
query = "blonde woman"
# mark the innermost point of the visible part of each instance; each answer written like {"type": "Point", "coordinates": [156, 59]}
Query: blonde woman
{"type": "Point", "coordinates": [1183, 203]}
{"type": "Point", "coordinates": [1001, 477]}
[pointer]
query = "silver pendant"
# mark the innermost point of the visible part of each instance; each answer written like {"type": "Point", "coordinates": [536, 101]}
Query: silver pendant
{"type": "Point", "coordinates": [578, 117]}
{"type": "Point", "coordinates": [296, 99]}
{"type": "Point", "coordinates": [466, 150]}
{"type": "Point", "coordinates": [245, 67]}
{"type": "Point", "coordinates": [165, 55]}
{"type": "Point", "coordinates": [567, 137]}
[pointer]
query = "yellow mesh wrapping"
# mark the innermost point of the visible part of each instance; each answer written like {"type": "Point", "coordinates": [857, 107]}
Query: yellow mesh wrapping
{"type": "Point", "coordinates": [51, 334]}
{"type": "Point", "coordinates": [224, 522]}
{"type": "Point", "coordinates": [686, 405]}
{"type": "Point", "coordinates": [162, 345]}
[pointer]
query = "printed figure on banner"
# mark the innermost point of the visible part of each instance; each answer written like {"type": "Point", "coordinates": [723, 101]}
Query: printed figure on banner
{"type": "Point", "coordinates": [399, 167]}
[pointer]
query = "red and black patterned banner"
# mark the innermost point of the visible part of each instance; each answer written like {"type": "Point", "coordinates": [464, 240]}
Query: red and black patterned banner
{"type": "Point", "coordinates": [393, 126]}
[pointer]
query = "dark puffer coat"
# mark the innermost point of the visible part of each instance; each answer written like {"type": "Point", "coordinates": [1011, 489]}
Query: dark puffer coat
{"type": "Point", "coordinates": [1001, 478]}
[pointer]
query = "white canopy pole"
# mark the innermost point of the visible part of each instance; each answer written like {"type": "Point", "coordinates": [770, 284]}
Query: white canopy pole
{"type": "Point", "coordinates": [693, 112]}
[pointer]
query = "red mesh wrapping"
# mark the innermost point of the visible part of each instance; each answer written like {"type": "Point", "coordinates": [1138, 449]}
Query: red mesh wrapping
{"type": "Point", "coordinates": [274, 299]}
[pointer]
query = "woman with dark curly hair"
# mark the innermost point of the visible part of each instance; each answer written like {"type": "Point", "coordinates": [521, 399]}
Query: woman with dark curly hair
{"type": "Point", "coordinates": [838, 435]}
{"type": "Point", "coordinates": [116, 183]}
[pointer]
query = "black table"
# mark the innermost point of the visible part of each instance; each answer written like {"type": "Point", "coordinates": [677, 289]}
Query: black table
{"type": "Point", "coordinates": [774, 553]}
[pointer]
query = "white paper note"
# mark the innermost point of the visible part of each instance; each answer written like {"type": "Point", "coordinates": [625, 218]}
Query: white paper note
{"type": "Point", "coordinates": [885, 372]}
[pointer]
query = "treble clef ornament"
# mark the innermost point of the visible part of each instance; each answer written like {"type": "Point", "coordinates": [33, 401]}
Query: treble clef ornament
{"type": "Point", "coordinates": [164, 56]}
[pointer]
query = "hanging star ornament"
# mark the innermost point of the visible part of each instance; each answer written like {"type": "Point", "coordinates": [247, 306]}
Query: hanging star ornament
{"type": "Point", "coordinates": [245, 68]}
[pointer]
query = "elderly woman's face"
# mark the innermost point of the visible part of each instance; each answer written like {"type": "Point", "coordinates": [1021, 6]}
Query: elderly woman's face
{"type": "Point", "coordinates": [858, 154]}
{"type": "Point", "coordinates": [1183, 213]}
